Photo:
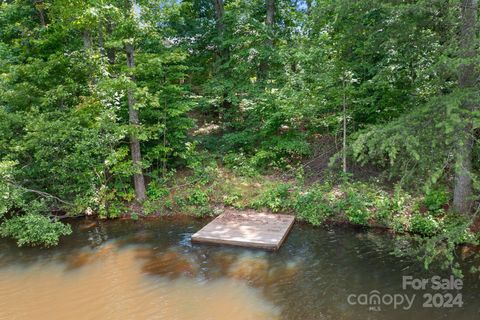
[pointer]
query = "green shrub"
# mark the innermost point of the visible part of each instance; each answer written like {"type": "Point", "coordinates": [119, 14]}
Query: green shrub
{"type": "Point", "coordinates": [312, 206]}
{"type": "Point", "coordinates": [115, 210]}
{"type": "Point", "coordinates": [34, 230]}
{"type": "Point", "coordinates": [356, 206]}
{"type": "Point", "coordinates": [204, 166]}
{"type": "Point", "coordinates": [458, 226]}
{"type": "Point", "coordinates": [276, 198]}
{"type": "Point", "coordinates": [399, 200]}
{"type": "Point", "coordinates": [179, 201]}
{"type": "Point", "coordinates": [398, 223]}
{"type": "Point", "coordinates": [358, 215]}
{"type": "Point", "coordinates": [134, 216]}
{"type": "Point", "coordinates": [383, 207]}
{"type": "Point", "coordinates": [152, 206]}
{"type": "Point", "coordinates": [232, 199]}
{"type": "Point", "coordinates": [240, 165]}
{"type": "Point", "coordinates": [441, 247]}
{"type": "Point", "coordinates": [157, 191]}
{"type": "Point", "coordinates": [387, 205]}
{"type": "Point", "coordinates": [278, 151]}
{"type": "Point", "coordinates": [435, 200]}
{"type": "Point", "coordinates": [168, 203]}
{"type": "Point", "coordinates": [424, 225]}
{"type": "Point", "coordinates": [10, 196]}
{"type": "Point", "coordinates": [198, 197]}
{"type": "Point", "coordinates": [204, 211]}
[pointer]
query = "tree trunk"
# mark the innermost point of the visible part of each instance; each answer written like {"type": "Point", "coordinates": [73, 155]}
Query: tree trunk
{"type": "Point", "coordinates": [270, 12]}
{"type": "Point", "coordinates": [138, 179]}
{"type": "Point", "coordinates": [219, 12]}
{"type": "Point", "coordinates": [41, 12]}
{"type": "Point", "coordinates": [269, 22]}
{"type": "Point", "coordinates": [344, 155]}
{"type": "Point", "coordinates": [101, 40]}
{"type": "Point", "coordinates": [462, 195]}
{"type": "Point", "coordinates": [110, 51]}
{"type": "Point", "coordinates": [87, 39]}
{"type": "Point", "coordinates": [309, 6]}
{"type": "Point", "coordinates": [223, 53]}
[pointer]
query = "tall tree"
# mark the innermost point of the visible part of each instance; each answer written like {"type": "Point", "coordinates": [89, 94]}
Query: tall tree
{"type": "Point", "coordinates": [269, 22]}
{"type": "Point", "coordinates": [270, 4]}
{"type": "Point", "coordinates": [39, 5]}
{"type": "Point", "coordinates": [110, 51]}
{"type": "Point", "coordinates": [138, 179]}
{"type": "Point", "coordinates": [223, 53]}
{"type": "Point", "coordinates": [219, 13]}
{"type": "Point", "coordinates": [462, 196]}
{"type": "Point", "coordinates": [220, 26]}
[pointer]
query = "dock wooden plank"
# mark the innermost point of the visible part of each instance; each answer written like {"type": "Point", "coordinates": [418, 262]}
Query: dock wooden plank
{"type": "Point", "coordinates": [247, 229]}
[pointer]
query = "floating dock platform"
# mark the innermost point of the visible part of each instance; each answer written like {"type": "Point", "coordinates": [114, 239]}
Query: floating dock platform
{"type": "Point", "coordinates": [247, 229]}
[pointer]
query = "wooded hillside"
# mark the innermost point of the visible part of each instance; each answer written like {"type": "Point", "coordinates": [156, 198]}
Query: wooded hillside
{"type": "Point", "coordinates": [108, 107]}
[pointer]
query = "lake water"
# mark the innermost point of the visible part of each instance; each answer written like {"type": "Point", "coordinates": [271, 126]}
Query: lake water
{"type": "Point", "coordinates": [150, 270]}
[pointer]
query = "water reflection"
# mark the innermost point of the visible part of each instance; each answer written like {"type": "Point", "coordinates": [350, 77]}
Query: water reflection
{"type": "Point", "coordinates": [150, 270]}
{"type": "Point", "coordinates": [110, 285]}
{"type": "Point", "coordinates": [170, 264]}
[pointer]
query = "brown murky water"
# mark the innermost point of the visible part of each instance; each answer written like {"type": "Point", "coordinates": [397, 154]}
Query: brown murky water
{"type": "Point", "coordinates": [150, 270]}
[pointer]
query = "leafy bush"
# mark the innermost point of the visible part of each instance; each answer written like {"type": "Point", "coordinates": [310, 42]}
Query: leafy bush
{"type": "Point", "coordinates": [157, 191]}
{"type": "Point", "coordinates": [30, 228]}
{"type": "Point", "coordinates": [357, 214]}
{"type": "Point", "coordinates": [204, 211]}
{"type": "Point", "coordinates": [10, 197]}
{"type": "Point", "coordinates": [232, 199]}
{"type": "Point", "coordinates": [198, 197]}
{"type": "Point", "coordinates": [312, 206]}
{"type": "Point", "coordinates": [356, 204]}
{"type": "Point", "coordinates": [240, 165]}
{"type": "Point", "coordinates": [386, 205]}
{"type": "Point", "coordinates": [440, 247]}
{"type": "Point", "coordinates": [276, 198]}
{"type": "Point", "coordinates": [435, 200]}
{"type": "Point", "coordinates": [424, 225]}
{"type": "Point", "coordinates": [398, 223]}
{"type": "Point", "coordinates": [34, 230]}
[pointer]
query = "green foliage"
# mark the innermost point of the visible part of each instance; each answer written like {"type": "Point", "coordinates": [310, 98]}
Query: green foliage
{"type": "Point", "coordinates": [197, 197]}
{"type": "Point", "coordinates": [424, 224]}
{"type": "Point", "coordinates": [359, 202]}
{"type": "Point", "coordinates": [440, 248]}
{"type": "Point", "coordinates": [399, 223]}
{"type": "Point", "coordinates": [356, 209]}
{"type": "Point", "coordinates": [157, 191]}
{"type": "Point", "coordinates": [276, 198]}
{"type": "Point", "coordinates": [313, 206]}
{"type": "Point", "coordinates": [203, 166]}
{"type": "Point", "coordinates": [34, 230]}
{"type": "Point", "coordinates": [63, 105]}
{"type": "Point", "coordinates": [22, 218]}
{"type": "Point", "coordinates": [232, 200]}
{"type": "Point", "coordinates": [10, 196]}
{"type": "Point", "coordinates": [272, 93]}
{"type": "Point", "coordinates": [240, 165]}
{"type": "Point", "coordinates": [435, 201]}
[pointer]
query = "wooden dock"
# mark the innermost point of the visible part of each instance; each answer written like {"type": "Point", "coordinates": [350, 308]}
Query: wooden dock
{"type": "Point", "coordinates": [247, 229]}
